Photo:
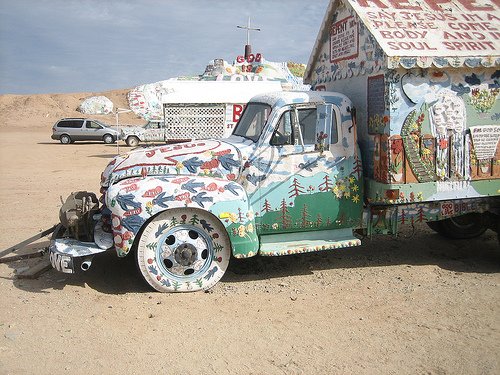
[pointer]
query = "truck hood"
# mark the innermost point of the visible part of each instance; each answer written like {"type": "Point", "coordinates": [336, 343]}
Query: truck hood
{"type": "Point", "coordinates": [214, 158]}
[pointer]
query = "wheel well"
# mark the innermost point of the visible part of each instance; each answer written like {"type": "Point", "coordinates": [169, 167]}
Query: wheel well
{"type": "Point", "coordinates": [137, 236]}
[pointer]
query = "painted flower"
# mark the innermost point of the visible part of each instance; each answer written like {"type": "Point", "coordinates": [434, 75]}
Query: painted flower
{"type": "Point", "coordinates": [250, 215]}
{"type": "Point", "coordinates": [351, 180]}
{"type": "Point", "coordinates": [354, 187]}
{"type": "Point", "coordinates": [397, 146]}
{"type": "Point", "coordinates": [250, 228]}
{"type": "Point", "coordinates": [443, 144]}
{"type": "Point", "coordinates": [233, 217]}
{"type": "Point", "coordinates": [241, 231]}
{"type": "Point", "coordinates": [275, 226]}
{"type": "Point", "coordinates": [355, 198]}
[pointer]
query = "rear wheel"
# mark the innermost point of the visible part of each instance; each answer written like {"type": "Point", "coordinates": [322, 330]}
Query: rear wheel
{"type": "Point", "coordinates": [108, 138]}
{"type": "Point", "coordinates": [132, 141]}
{"type": "Point", "coordinates": [65, 139]}
{"type": "Point", "coordinates": [461, 227]}
{"type": "Point", "coordinates": [183, 250]}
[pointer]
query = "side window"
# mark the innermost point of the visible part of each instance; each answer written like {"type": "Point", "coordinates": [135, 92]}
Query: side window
{"type": "Point", "coordinates": [74, 124]}
{"type": "Point", "coordinates": [327, 132]}
{"type": "Point", "coordinates": [93, 125]}
{"type": "Point", "coordinates": [285, 133]}
{"type": "Point", "coordinates": [307, 121]}
{"type": "Point", "coordinates": [334, 138]}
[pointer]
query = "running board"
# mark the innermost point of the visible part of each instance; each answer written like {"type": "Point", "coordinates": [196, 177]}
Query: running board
{"type": "Point", "coordinates": [306, 242]}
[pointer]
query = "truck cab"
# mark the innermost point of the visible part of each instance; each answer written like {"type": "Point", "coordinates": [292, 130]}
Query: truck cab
{"type": "Point", "coordinates": [288, 180]}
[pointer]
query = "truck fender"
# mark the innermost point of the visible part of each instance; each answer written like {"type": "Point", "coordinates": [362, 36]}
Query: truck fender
{"type": "Point", "coordinates": [133, 202]}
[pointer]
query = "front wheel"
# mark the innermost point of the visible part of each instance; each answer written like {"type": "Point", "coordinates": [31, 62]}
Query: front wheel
{"type": "Point", "coordinates": [108, 138]}
{"type": "Point", "coordinates": [132, 141]}
{"type": "Point", "coordinates": [183, 250]}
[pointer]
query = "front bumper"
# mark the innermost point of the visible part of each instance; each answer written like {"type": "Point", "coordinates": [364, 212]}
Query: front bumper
{"type": "Point", "coordinates": [71, 256]}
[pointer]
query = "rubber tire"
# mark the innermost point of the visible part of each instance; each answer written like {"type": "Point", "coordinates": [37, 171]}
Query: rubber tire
{"type": "Point", "coordinates": [434, 225]}
{"type": "Point", "coordinates": [108, 139]}
{"type": "Point", "coordinates": [65, 139]}
{"type": "Point", "coordinates": [462, 227]}
{"type": "Point", "coordinates": [132, 141]}
{"type": "Point", "coordinates": [169, 236]}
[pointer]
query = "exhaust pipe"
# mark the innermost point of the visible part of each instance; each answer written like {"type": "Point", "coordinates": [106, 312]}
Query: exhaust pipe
{"type": "Point", "coordinates": [86, 264]}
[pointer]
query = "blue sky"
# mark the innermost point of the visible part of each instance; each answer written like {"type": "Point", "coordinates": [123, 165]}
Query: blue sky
{"type": "Point", "coordinates": [60, 46]}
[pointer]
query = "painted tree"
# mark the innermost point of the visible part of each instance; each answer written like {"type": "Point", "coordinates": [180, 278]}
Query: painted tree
{"type": "Point", "coordinates": [240, 215]}
{"type": "Point", "coordinates": [218, 247]}
{"type": "Point", "coordinates": [295, 188]}
{"type": "Point", "coordinates": [194, 220]}
{"type": "Point", "coordinates": [327, 184]}
{"type": "Point", "coordinates": [305, 216]}
{"type": "Point", "coordinates": [285, 217]}
{"type": "Point", "coordinates": [421, 215]}
{"type": "Point", "coordinates": [319, 220]}
{"type": "Point", "coordinates": [403, 216]}
{"type": "Point", "coordinates": [266, 207]}
{"type": "Point", "coordinates": [358, 167]}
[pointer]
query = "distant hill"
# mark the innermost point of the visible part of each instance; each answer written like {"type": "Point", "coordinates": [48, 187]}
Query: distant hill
{"type": "Point", "coordinates": [42, 110]}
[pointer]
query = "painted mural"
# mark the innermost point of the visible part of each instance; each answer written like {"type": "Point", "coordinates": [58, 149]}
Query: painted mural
{"type": "Point", "coordinates": [146, 100]}
{"type": "Point", "coordinates": [431, 92]}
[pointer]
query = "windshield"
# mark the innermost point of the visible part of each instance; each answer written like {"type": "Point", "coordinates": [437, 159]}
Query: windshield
{"type": "Point", "coordinates": [252, 121]}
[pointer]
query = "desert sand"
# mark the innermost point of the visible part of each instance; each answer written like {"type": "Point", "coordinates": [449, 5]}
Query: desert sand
{"type": "Point", "coordinates": [413, 304]}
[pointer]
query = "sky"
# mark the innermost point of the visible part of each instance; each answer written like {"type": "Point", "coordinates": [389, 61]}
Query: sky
{"type": "Point", "coordinates": [65, 46]}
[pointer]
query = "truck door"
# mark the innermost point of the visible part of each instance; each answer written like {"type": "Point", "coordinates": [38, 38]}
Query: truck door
{"type": "Point", "coordinates": [304, 187]}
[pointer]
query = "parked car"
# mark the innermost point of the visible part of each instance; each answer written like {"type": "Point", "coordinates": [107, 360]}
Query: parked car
{"type": "Point", "coordinates": [69, 130]}
{"type": "Point", "coordinates": [153, 131]}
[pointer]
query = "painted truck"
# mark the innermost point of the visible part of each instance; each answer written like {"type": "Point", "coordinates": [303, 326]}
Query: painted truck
{"type": "Point", "coordinates": [306, 171]}
{"type": "Point", "coordinates": [198, 110]}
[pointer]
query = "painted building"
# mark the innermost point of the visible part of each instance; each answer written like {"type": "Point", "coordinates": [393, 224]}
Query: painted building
{"type": "Point", "coordinates": [424, 78]}
{"type": "Point", "coordinates": [146, 100]}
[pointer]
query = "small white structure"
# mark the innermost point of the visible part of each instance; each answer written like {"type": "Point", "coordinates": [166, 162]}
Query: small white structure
{"type": "Point", "coordinates": [96, 105]}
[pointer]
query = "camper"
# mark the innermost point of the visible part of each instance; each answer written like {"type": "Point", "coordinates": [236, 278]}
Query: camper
{"type": "Point", "coordinates": [424, 79]}
{"type": "Point", "coordinates": [403, 139]}
{"type": "Point", "coordinates": [198, 110]}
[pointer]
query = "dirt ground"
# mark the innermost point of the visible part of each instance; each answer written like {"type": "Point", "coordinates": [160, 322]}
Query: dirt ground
{"type": "Point", "coordinates": [416, 304]}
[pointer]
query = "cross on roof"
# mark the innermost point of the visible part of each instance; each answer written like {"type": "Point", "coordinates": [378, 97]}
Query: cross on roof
{"type": "Point", "coordinates": [248, 29]}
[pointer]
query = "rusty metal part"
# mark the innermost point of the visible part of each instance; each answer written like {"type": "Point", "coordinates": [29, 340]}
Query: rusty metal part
{"type": "Point", "coordinates": [76, 214]}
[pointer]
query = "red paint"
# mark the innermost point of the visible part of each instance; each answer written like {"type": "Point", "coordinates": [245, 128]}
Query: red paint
{"type": "Point", "coordinates": [151, 193]}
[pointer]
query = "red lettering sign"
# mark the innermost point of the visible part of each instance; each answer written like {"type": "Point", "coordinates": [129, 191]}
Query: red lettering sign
{"type": "Point", "coordinates": [237, 110]}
